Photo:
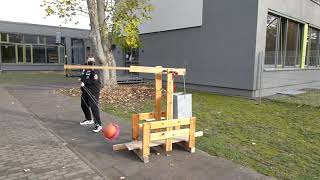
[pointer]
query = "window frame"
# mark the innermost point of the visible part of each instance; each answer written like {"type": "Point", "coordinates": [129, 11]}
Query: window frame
{"type": "Point", "coordinates": [282, 43]}
{"type": "Point", "coordinates": [307, 62]}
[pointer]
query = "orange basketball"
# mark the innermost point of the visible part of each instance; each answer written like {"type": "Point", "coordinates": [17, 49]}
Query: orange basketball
{"type": "Point", "coordinates": [111, 131]}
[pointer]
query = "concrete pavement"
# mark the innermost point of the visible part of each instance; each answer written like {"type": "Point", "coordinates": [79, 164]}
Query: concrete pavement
{"type": "Point", "coordinates": [61, 116]}
{"type": "Point", "coordinates": [29, 151]}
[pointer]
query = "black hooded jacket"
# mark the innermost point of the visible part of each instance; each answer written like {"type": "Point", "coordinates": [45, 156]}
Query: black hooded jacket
{"type": "Point", "coordinates": [91, 81]}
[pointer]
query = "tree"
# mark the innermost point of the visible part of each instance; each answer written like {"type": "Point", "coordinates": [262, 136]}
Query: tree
{"type": "Point", "coordinates": [111, 21]}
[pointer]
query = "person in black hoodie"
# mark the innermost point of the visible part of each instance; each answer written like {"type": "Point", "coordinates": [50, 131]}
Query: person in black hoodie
{"type": "Point", "coordinates": [90, 87]}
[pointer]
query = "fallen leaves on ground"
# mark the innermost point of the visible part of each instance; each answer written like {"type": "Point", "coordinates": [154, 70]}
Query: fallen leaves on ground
{"type": "Point", "coordinates": [129, 95]}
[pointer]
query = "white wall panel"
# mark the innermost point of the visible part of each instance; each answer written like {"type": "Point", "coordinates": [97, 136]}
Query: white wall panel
{"type": "Point", "coordinates": [174, 14]}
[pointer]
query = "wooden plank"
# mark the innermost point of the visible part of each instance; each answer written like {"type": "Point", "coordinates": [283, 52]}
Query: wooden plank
{"type": "Point", "coordinates": [135, 126]}
{"type": "Point", "coordinates": [158, 95]}
{"type": "Point", "coordinates": [139, 69]}
{"type": "Point", "coordinates": [178, 71]}
{"type": "Point", "coordinates": [146, 140]}
{"type": "Point", "coordinates": [192, 138]}
{"type": "Point", "coordinates": [150, 115]}
{"type": "Point", "coordinates": [168, 141]}
{"type": "Point", "coordinates": [95, 67]}
{"type": "Point", "coordinates": [138, 144]}
{"type": "Point", "coordinates": [169, 123]}
{"type": "Point", "coordinates": [119, 147]}
{"type": "Point", "coordinates": [145, 69]}
{"type": "Point", "coordinates": [144, 116]}
{"type": "Point", "coordinates": [169, 134]}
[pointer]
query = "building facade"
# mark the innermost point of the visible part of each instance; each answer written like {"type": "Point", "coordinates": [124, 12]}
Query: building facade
{"type": "Point", "coordinates": [249, 48]}
{"type": "Point", "coordinates": [37, 47]}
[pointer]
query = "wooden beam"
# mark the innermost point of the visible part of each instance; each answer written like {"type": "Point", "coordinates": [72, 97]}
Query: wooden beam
{"type": "Point", "coordinates": [192, 138]}
{"type": "Point", "coordinates": [169, 134]}
{"type": "Point", "coordinates": [146, 140]}
{"type": "Point", "coordinates": [138, 69]}
{"type": "Point", "coordinates": [150, 115]}
{"type": "Point", "coordinates": [169, 123]}
{"type": "Point", "coordinates": [158, 95]}
{"type": "Point", "coordinates": [178, 71]}
{"type": "Point", "coordinates": [169, 108]}
{"type": "Point", "coordinates": [138, 144]}
{"type": "Point", "coordinates": [145, 69]}
{"type": "Point", "coordinates": [119, 147]}
{"type": "Point", "coordinates": [135, 126]}
{"type": "Point", "coordinates": [144, 116]}
{"type": "Point", "coordinates": [95, 67]}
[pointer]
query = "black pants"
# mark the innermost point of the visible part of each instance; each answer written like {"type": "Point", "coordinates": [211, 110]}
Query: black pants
{"type": "Point", "coordinates": [87, 103]}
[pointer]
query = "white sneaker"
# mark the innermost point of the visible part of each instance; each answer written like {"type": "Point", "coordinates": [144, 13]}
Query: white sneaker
{"type": "Point", "coordinates": [97, 129]}
{"type": "Point", "coordinates": [86, 122]}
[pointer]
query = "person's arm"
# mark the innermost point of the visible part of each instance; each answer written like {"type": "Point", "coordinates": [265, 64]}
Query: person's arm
{"type": "Point", "coordinates": [82, 78]}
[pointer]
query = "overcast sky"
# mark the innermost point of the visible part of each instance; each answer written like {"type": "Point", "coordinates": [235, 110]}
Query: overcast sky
{"type": "Point", "coordinates": [29, 11]}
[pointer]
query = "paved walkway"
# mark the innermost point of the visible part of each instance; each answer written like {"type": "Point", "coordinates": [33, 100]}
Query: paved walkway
{"type": "Point", "coordinates": [29, 151]}
{"type": "Point", "coordinates": [61, 116]}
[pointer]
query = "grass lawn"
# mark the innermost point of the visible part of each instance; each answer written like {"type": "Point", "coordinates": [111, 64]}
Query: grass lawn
{"type": "Point", "coordinates": [34, 78]}
{"type": "Point", "coordinates": [280, 139]}
{"type": "Point", "coordinates": [275, 138]}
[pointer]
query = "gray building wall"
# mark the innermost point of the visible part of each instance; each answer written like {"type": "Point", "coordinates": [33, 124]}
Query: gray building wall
{"type": "Point", "coordinates": [304, 11]}
{"type": "Point", "coordinates": [218, 55]}
{"type": "Point", "coordinates": [34, 29]}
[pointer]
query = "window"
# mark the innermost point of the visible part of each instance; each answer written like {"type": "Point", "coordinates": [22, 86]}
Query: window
{"type": "Point", "coordinates": [78, 56]}
{"type": "Point", "coordinates": [52, 54]}
{"type": "Point", "coordinates": [271, 41]}
{"type": "Point", "coordinates": [61, 54]}
{"type": "Point", "coordinates": [39, 54]}
{"type": "Point", "coordinates": [30, 39]}
{"type": "Point", "coordinates": [293, 44]}
{"type": "Point", "coordinates": [283, 42]}
{"type": "Point", "coordinates": [8, 53]}
{"type": "Point", "coordinates": [41, 40]}
{"type": "Point", "coordinates": [28, 54]}
{"type": "Point", "coordinates": [4, 37]}
{"type": "Point", "coordinates": [313, 54]}
{"type": "Point", "coordinates": [51, 40]}
{"type": "Point", "coordinates": [15, 38]}
{"type": "Point", "coordinates": [20, 53]}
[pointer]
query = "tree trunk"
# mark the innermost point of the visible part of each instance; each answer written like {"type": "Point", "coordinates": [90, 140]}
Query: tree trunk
{"type": "Point", "coordinates": [98, 35]}
{"type": "Point", "coordinates": [106, 44]}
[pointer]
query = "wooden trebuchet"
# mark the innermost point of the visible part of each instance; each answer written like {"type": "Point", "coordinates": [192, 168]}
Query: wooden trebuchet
{"type": "Point", "coordinates": [158, 127]}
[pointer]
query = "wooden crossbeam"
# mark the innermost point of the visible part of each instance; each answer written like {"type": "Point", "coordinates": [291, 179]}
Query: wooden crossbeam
{"type": "Point", "coordinates": [150, 115]}
{"type": "Point", "coordinates": [169, 134]}
{"type": "Point", "coordinates": [138, 144]}
{"type": "Point", "coordinates": [95, 67]}
{"type": "Point", "coordinates": [137, 69]}
{"type": "Point", "coordinates": [169, 123]}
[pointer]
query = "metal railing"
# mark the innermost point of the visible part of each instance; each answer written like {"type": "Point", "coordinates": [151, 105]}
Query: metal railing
{"type": "Point", "coordinates": [313, 58]}
{"type": "Point", "coordinates": [291, 58]}
{"type": "Point", "coordinates": [282, 58]}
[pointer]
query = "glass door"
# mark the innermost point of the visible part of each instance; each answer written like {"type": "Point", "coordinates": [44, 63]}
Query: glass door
{"type": "Point", "coordinates": [28, 53]}
{"type": "Point", "coordinates": [20, 53]}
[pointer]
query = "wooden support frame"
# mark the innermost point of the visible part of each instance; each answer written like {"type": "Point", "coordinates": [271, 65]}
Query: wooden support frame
{"type": "Point", "coordinates": [184, 137]}
{"type": "Point", "coordinates": [136, 118]}
{"type": "Point", "coordinates": [155, 130]}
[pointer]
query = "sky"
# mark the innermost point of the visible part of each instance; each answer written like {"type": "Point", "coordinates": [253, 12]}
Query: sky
{"type": "Point", "coordinates": [29, 11]}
